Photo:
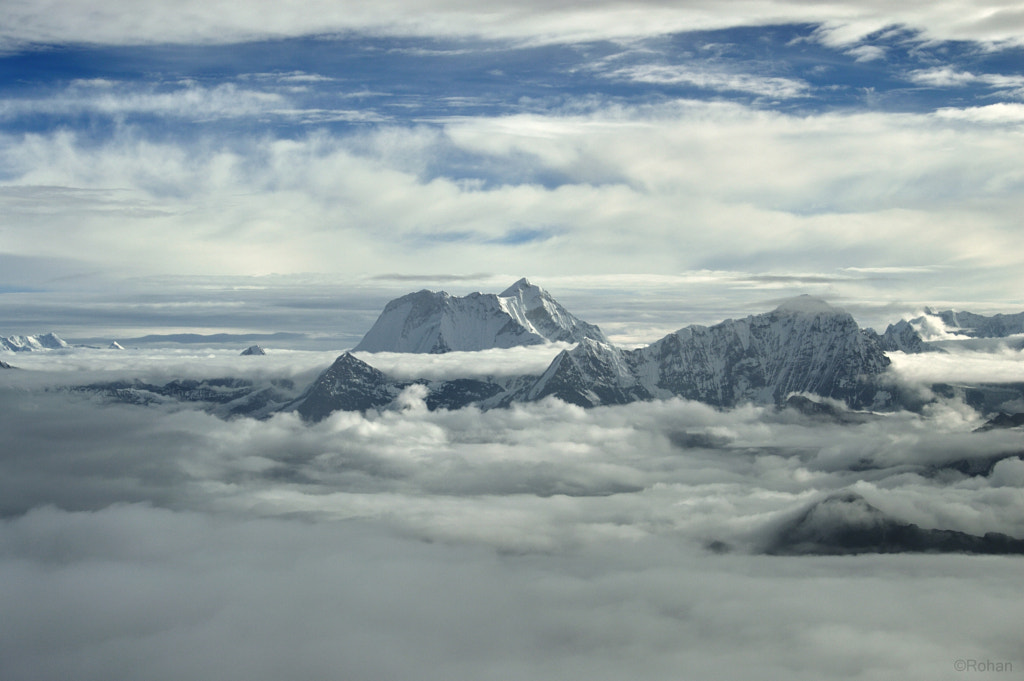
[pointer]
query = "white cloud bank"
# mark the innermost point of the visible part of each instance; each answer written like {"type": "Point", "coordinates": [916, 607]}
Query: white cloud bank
{"type": "Point", "coordinates": [536, 542]}
{"type": "Point", "coordinates": [218, 21]}
{"type": "Point", "coordinates": [658, 189]}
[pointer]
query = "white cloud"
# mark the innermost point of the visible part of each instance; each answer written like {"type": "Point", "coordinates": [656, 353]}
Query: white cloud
{"type": "Point", "coordinates": [867, 52]}
{"type": "Point", "coordinates": [764, 86]}
{"type": "Point", "coordinates": [999, 113]}
{"type": "Point", "coordinates": [185, 100]}
{"type": "Point", "coordinates": [495, 362]}
{"type": "Point", "coordinates": [949, 77]}
{"type": "Point", "coordinates": [661, 189]}
{"type": "Point", "coordinates": [190, 101]}
{"type": "Point", "coordinates": [1002, 365]}
{"type": "Point", "coordinates": [59, 21]}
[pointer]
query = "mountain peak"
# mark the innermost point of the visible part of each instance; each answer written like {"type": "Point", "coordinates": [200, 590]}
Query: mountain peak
{"type": "Point", "coordinates": [46, 341]}
{"type": "Point", "coordinates": [806, 304]}
{"type": "Point", "coordinates": [429, 322]}
{"type": "Point", "coordinates": [521, 285]}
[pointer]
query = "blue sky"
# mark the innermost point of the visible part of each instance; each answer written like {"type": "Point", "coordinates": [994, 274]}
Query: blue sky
{"type": "Point", "coordinates": [860, 152]}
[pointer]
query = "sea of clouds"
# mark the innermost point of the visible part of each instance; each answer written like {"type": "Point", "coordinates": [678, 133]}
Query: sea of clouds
{"type": "Point", "coordinates": [541, 541]}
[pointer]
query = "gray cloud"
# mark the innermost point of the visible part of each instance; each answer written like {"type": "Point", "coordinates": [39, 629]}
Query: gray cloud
{"type": "Point", "coordinates": [524, 543]}
{"type": "Point", "coordinates": [152, 594]}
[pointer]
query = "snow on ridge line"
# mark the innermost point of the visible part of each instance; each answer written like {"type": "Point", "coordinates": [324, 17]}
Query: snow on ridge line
{"type": "Point", "coordinates": [437, 322]}
{"type": "Point", "coordinates": [46, 341]}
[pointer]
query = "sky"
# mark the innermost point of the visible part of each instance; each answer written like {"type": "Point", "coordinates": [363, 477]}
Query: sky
{"type": "Point", "coordinates": [209, 166]}
{"type": "Point", "coordinates": [720, 155]}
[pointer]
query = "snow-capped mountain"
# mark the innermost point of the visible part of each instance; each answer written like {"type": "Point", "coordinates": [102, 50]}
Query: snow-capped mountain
{"type": "Point", "coordinates": [253, 351]}
{"type": "Point", "coordinates": [436, 322]}
{"type": "Point", "coordinates": [977, 325]}
{"type": "Point", "coordinates": [902, 337]}
{"type": "Point", "coordinates": [46, 341]}
{"type": "Point", "coordinates": [804, 346]}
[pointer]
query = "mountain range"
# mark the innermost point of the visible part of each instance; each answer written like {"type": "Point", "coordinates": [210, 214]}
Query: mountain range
{"type": "Point", "coordinates": [803, 346]}
{"type": "Point", "coordinates": [977, 325]}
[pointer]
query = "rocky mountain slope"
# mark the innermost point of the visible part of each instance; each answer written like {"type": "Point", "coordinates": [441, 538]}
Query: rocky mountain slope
{"type": "Point", "coordinates": [804, 346]}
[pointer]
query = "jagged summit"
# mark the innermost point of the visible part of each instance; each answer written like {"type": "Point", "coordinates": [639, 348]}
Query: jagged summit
{"type": "Point", "coordinates": [437, 322]}
{"type": "Point", "coordinates": [349, 384]}
{"type": "Point", "coordinates": [806, 347]}
{"type": "Point", "coordinates": [522, 288]}
{"type": "Point", "coordinates": [253, 351]}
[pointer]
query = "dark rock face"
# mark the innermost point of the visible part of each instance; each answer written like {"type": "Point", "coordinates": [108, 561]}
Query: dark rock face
{"type": "Point", "coordinates": [823, 411]}
{"type": "Point", "coordinates": [1003, 420]}
{"type": "Point", "coordinates": [221, 396]}
{"type": "Point", "coordinates": [459, 393]}
{"type": "Point", "coordinates": [588, 375]}
{"type": "Point", "coordinates": [988, 398]}
{"type": "Point", "coordinates": [901, 337]}
{"type": "Point", "coordinates": [253, 351]}
{"type": "Point", "coordinates": [845, 524]}
{"type": "Point", "coordinates": [349, 385]}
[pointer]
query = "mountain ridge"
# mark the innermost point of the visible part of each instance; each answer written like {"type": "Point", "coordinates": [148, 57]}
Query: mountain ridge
{"type": "Point", "coordinates": [45, 341]}
{"type": "Point", "coordinates": [436, 322]}
{"type": "Point", "coordinates": [803, 346]}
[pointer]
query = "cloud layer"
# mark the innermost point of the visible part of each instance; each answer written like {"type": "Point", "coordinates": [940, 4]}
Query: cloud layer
{"type": "Point", "coordinates": [822, 191]}
{"type": "Point", "coordinates": [534, 541]}
{"type": "Point", "coordinates": [61, 21]}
